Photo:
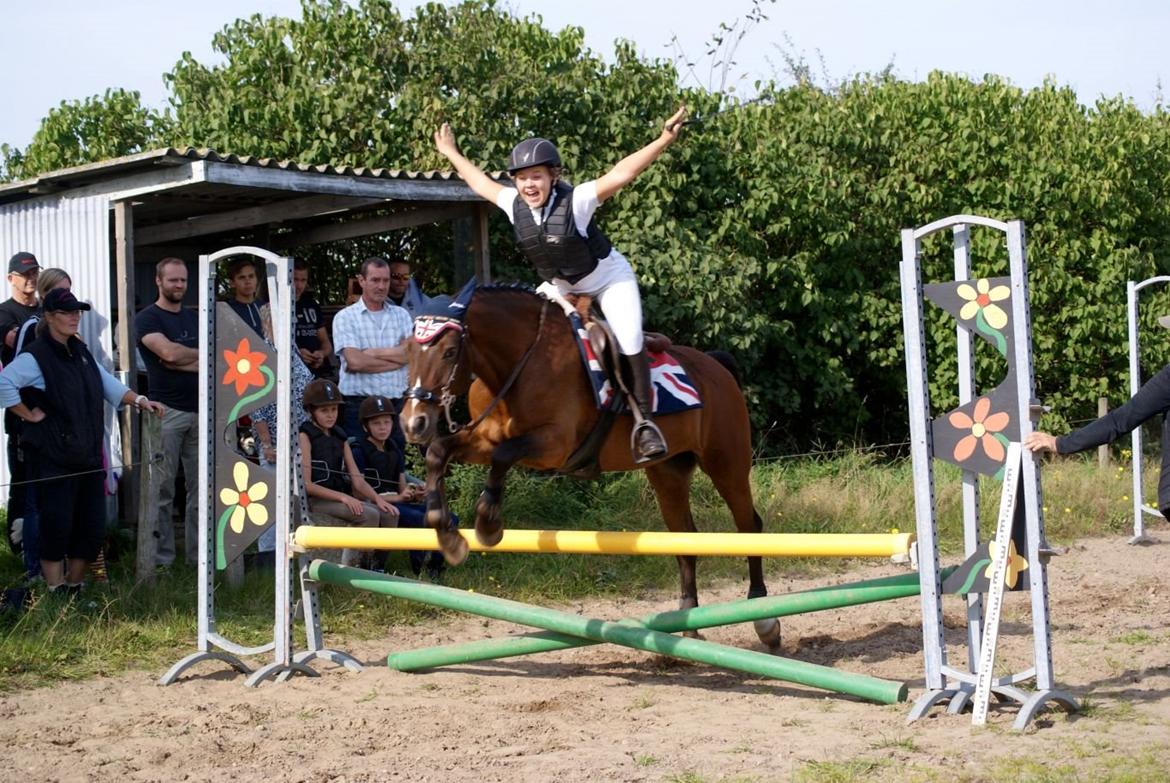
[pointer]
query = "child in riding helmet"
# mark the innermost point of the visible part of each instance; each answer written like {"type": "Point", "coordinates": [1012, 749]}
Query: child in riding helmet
{"type": "Point", "coordinates": [330, 473]}
{"type": "Point", "coordinates": [382, 466]}
{"type": "Point", "coordinates": [556, 231]}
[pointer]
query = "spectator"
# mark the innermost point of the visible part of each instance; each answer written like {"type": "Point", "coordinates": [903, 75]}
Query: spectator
{"type": "Point", "coordinates": [30, 330]}
{"type": "Point", "coordinates": [244, 282]}
{"type": "Point", "coordinates": [65, 426]}
{"type": "Point", "coordinates": [23, 268]}
{"type": "Point", "coordinates": [383, 469]}
{"type": "Point", "coordinates": [264, 422]}
{"type": "Point", "coordinates": [47, 280]}
{"type": "Point", "coordinates": [168, 341]}
{"type": "Point", "coordinates": [331, 476]}
{"type": "Point", "coordinates": [404, 291]}
{"type": "Point", "coordinates": [312, 338]}
{"type": "Point", "coordinates": [370, 337]}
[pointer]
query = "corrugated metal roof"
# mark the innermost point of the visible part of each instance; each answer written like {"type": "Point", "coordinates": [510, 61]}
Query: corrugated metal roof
{"type": "Point", "coordinates": [77, 176]}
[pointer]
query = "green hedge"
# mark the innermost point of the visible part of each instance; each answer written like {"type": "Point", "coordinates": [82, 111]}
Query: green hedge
{"type": "Point", "coordinates": [771, 230]}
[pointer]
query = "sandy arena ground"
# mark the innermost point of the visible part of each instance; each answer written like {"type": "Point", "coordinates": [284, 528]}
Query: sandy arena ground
{"type": "Point", "coordinates": [608, 713]}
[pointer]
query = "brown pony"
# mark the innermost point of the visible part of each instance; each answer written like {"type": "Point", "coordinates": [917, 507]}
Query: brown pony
{"type": "Point", "coordinates": [532, 405]}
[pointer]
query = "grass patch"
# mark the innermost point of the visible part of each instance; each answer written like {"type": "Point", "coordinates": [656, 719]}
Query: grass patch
{"type": "Point", "coordinates": [1134, 637]}
{"type": "Point", "coordinates": [642, 701]}
{"type": "Point", "coordinates": [896, 743]}
{"type": "Point", "coordinates": [128, 626]}
{"type": "Point", "coordinates": [837, 771]}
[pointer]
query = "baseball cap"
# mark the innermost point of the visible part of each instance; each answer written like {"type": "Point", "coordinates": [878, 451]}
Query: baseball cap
{"type": "Point", "coordinates": [22, 263]}
{"type": "Point", "coordinates": [62, 300]}
{"type": "Point", "coordinates": [1164, 322]}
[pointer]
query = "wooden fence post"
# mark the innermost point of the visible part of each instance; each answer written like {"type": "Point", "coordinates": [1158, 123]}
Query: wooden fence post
{"type": "Point", "coordinates": [149, 474]}
{"type": "Point", "coordinates": [1103, 450]}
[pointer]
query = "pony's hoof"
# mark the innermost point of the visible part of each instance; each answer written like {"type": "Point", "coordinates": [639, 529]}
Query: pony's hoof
{"type": "Point", "coordinates": [488, 534]}
{"type": "Point", "coordinates": [489, 528]}
{"type": "Point", "coordinates": [769, 633]}
{"type": "Point", "coordinates": [453, 546]}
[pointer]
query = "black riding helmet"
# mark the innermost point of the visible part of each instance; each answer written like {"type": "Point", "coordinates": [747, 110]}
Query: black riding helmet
{"type": "Point", "coordinates": [320, 392]}
{"type": "Point", "coordinates": [533, 152]}
{"type": "Point", "coordinates": [373, 406]}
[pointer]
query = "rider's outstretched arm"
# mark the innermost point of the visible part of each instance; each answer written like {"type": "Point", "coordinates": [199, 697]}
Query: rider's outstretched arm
{"type": "Point", "coordinates": [484, 186]}
{"type": "Point", "coordinates": [632, 165]}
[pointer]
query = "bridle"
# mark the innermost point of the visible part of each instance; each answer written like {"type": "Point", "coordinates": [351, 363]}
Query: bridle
{"type": "Point", "coordinates": [445, 396]}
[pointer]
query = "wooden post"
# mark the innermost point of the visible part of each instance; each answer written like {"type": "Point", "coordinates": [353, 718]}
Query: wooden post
{"type": "Point", "coordinates": [149, 472]}
{"type": "Point", "coordinates": [127, 422]}
{"type": "Point", "coordinates": [482, 250]}
{"type": "Point", "coordinates": [1103, 450]}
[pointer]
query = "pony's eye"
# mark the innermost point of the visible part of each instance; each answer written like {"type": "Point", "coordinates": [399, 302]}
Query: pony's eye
{"type": "Point", "coordinates": [449, 353]}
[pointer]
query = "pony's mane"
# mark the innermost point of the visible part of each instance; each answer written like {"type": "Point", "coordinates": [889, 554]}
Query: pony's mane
{"type": "Point", "coordinates": [498, 291]}
{"type": "Point", "coordinates": [515, 286]}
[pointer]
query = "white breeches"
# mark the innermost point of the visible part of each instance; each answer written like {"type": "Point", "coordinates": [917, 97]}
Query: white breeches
{"type": "Point", "coordinates": [615, 288]}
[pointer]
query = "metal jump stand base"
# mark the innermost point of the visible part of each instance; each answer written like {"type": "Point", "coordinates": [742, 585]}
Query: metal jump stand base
{"type": "Point", "coordinates": [311, 605]}
{"type": "Point", "coordinates": [1140, 536]}
{"type": "Point", "coordinates": [960, 699]}
{"type": "Point", "coordinates": [199, 657]}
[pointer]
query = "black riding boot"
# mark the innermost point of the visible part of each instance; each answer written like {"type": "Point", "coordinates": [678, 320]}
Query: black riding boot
{"type": "Point", "coordinates": [647, 440]}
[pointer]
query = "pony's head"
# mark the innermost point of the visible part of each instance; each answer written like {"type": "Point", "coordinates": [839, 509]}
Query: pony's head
{"type": "Point", "coordinates": [438, 374]}
{"type": "Point", "coordinates": [438, 369]}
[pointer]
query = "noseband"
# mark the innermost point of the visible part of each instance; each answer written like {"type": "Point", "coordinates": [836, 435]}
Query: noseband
{"type": "Point", "coordinates": [444, 396]}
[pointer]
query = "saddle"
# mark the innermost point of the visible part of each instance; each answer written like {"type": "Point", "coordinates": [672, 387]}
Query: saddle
{"type": "Point", "coordinates": [604, 345]}
{"type": "Point", "coordinates": [582, 463]}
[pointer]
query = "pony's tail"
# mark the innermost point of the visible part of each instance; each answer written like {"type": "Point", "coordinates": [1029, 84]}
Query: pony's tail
{"type": "Point", "coordinates": [729, 363]}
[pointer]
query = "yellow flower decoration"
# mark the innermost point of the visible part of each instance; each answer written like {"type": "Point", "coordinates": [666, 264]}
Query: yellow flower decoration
{"type": "Point", "coordinates": [245, 498]}
{"type": "Point", "coordinates": [982, 298]}
{"type": "Point", "coordinates": [1016, 565]}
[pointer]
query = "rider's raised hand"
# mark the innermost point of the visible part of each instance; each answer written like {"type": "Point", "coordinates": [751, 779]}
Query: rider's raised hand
{"type": "Point", "coordinates": [445, 141]}
{"type": "Point", "coordinates": [674, 125]}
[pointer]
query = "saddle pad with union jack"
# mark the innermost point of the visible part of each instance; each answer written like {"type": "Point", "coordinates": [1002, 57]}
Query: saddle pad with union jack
{"type": "Point", "coordinates": [673, 390]}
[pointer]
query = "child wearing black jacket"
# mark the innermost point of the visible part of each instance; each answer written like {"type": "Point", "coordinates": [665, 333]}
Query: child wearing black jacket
{"type": "Point", "coordinates": [330, 473]}
{"type": "Point", "coordinates": [382, 466]}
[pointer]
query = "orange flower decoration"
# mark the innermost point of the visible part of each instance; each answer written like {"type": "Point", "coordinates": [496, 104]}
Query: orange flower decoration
{"type": "Point", "coordinates": [243, 366]}
{"type": "Point", "coordinates": [982, 428]}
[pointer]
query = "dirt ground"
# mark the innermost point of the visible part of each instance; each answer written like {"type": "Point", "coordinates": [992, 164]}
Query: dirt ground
{"type": "Point", "coordinates": [608, 713]}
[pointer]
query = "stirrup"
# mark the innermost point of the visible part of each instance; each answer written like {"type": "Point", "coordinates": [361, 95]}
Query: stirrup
{"type": "Point", "coordinates": [639, 457]}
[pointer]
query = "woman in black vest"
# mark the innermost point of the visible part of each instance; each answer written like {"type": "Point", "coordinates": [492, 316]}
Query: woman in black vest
{"type": "Point", "coordinates": [556, 231]}
{"type": "Point", "coordinates": [62, 414]}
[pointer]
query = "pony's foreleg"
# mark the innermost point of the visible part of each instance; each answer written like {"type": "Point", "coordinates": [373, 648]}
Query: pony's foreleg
{"type": "Point", "coordinates": [438, 516]}
{"type": "Point", "coordinates": [489, 522]}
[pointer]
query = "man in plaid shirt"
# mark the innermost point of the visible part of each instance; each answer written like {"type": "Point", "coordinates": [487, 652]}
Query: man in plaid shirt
{"type": "Point", "coordinates": [370, 337]}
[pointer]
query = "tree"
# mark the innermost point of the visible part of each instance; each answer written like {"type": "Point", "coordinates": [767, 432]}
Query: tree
{"type": "Point", "coordinates": [85, 131]}
{"type": "Point", "coordinates": [770, 230]}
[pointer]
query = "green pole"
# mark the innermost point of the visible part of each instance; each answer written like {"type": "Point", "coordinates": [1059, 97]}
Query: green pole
{"type": "Point", "coordinates": [871, 688]}
{"type": "Point", "coordinates": [747, 610]}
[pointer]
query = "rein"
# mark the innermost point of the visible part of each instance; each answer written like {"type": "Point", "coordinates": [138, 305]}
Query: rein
{"type": "Point", "coordinates": [445, 397]}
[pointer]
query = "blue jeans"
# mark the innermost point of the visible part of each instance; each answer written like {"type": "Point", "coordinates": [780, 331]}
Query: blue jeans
{"type": "Point", "coordinates": [31, 546]}
{"type": "Point", "coordinates": [414, 515]}
{"type": "Point", "coordinates": [22, 501]}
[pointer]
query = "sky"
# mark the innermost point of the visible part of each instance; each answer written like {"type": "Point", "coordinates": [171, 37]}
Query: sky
{"type": "Point", "coordinates": [59, 50]}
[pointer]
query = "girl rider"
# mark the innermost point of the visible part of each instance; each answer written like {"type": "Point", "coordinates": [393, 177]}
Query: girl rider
{"type": "Point", "coordinates": [556, 231]}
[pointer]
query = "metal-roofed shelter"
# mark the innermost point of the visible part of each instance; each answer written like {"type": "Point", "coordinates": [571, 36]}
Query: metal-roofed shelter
{"type": "Point", "coordinates": [108, 223]}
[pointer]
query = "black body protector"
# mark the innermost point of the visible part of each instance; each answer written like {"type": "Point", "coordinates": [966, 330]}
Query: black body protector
{"type": "Point", "coordinates": [555, 247]}
{"type": "Point", "coordinates": [328, 457]}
